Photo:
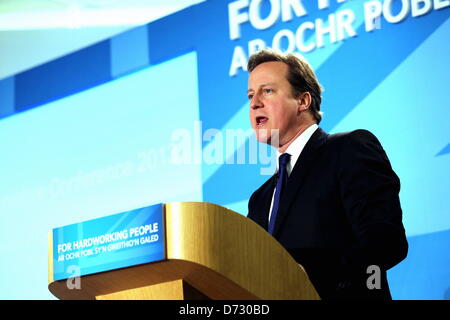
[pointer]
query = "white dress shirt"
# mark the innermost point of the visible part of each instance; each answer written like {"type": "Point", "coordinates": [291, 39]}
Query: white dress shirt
{"type": "Point", "coordinates": [295, 149]}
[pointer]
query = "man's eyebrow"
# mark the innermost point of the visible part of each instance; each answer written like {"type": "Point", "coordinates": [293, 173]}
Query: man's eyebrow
{"type": "Point", "coordinates": [263, 85]}
{"type": "Point", "coordinates": [268, 84]}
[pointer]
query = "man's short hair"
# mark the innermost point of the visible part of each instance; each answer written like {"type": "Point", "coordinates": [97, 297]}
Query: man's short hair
{"type": "Point", "coordinates": [300, 75]}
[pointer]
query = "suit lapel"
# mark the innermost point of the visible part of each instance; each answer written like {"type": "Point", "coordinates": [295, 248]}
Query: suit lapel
{"type": "Point", "coordinates": [263, 207]}
{"type": "Point", "coordinates": [301, 168]}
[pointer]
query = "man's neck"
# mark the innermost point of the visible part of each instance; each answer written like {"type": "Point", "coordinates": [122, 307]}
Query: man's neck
{"type": "Point", "coordinates": [301, 129]}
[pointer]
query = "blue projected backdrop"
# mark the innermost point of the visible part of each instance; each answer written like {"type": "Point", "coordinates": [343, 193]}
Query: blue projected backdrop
{"type": "Point", "coordinates": [159, 113]}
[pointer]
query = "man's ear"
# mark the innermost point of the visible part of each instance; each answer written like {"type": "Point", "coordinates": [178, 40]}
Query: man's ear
{"type": "Point", "coordinates": [303, 101]}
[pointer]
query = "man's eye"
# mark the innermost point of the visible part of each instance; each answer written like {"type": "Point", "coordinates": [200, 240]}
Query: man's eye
{"type": "Point", "coordinates": [268, 90]}
{"type": "Point", "coordinates": [250, 96]}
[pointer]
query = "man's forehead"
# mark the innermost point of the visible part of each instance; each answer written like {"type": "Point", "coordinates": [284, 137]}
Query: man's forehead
{"type": "Point", "coordinates": [266, 73]}
{"type": "Point", "coordinates": [270, 66]}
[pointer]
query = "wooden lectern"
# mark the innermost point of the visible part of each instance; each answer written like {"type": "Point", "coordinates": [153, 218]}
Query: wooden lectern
{"type": "Point", "coordinates": [211, 253]}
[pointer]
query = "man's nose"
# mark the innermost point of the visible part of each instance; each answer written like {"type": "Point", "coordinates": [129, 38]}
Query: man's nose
{"type": "Point", "coordinates": [255, 102]}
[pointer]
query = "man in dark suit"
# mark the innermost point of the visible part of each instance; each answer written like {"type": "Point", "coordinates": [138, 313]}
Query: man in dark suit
{"type": "Point", "coordinates": [333, 202]}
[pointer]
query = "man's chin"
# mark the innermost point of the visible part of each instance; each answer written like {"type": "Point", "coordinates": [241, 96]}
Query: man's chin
{"type": "Point", "coordinates": [268, 136]}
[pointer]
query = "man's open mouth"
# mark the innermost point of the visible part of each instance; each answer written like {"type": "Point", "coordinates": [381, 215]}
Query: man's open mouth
{"type": "Point", "coordinates": [261, 120]}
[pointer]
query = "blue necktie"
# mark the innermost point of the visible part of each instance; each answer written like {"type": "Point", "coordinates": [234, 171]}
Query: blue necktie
{"type": "Point", "coordinates": [283, 160]}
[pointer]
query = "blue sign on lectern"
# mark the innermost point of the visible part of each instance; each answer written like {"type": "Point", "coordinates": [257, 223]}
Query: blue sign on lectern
{"type": "Point", "coordinates": [116, 241]}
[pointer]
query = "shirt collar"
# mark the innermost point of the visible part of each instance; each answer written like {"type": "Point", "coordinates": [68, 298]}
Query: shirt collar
{"type": "Point", "coordinates": [296, 147]}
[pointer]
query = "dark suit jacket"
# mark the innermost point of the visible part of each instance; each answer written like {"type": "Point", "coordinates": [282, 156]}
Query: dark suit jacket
{"type": "Point", "coordinates": [339, 214]}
